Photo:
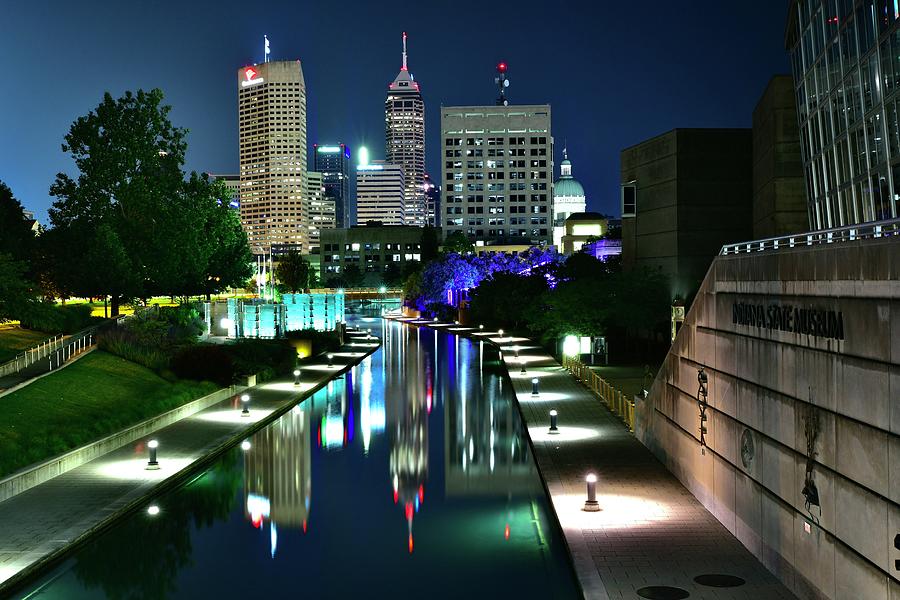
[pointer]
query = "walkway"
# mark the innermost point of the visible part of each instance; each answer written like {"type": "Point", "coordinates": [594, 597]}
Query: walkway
{"type": "Point", "coordinates": [37, 525]}
{"type": "Point", "coordinates": [651, 531]}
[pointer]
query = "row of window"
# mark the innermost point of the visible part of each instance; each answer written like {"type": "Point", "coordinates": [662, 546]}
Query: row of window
{"type": "Point", "coordinates": [494, 152]}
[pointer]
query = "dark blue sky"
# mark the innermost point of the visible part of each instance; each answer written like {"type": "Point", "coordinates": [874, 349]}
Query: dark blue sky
{"type": "Point", "coordinates": [615, 73]}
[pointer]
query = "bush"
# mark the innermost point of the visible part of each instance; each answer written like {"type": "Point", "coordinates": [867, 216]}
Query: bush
{"type": "Point", "coordinates": [205, 362]}
{"type": "Point", "coordinates": [322, 341]}
{"type": "Point", "coordinates": [130, 346]}
{"type": "Point", "coordinates": [54, 318]}
{"type": "Point", "coordinates": [267, 358]}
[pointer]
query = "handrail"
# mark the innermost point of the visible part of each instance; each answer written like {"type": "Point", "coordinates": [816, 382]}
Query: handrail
{"type": "Point", "coordinates": [848, 233]}
{"type": "Point", "coordinates": [618, 403]}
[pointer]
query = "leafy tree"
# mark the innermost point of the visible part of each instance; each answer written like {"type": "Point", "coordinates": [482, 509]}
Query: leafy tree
{"type": "Point", "coordinates": [353, 276]}
{"type": "Point", "coordinates": [392, 276]}
{"type": "Point", "coordinates": [430, 243]}
{"type": "Point", "coordinates": [17, 238]}
{"type": "Point", "coordinates": [506, 298]}
{"type": "Point", "coordinates": [458, 243]}
{"type": "Point", "coordinates": [15, 291]}
{"type": "Point", "coordinates": [293, 272]}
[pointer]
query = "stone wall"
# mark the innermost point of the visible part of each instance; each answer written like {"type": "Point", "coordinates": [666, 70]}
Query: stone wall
{"type": "Point", "coordinates": [767, 384]}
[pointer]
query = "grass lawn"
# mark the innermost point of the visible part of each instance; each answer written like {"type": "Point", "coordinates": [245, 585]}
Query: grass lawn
{"type": "Point", "coordinates": [14, 339]}
{"type": "Point", "coordinates": [627, 378]}
{"type": "Point", "coordinates": [94, 397]}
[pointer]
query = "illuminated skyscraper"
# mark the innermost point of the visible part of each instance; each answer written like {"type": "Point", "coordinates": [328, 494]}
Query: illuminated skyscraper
{"type": "Point", "coordinates": [333, 162]}
{"type": "Point", "coordinates": [380, 194]}
{"type": "Point", "coordinates": [272, 134]}
{"type": "Point", "coordinates": [318, 208]}
{"type": "Point", "coordinates": [404, 119]}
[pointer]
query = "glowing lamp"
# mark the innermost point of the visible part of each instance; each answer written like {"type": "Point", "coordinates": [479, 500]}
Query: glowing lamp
{"type": "Point", "coordinates": [152, 463]}
{"type": "Point", "coordinates": [153, 510]}
{"type": "Point", "coordinates": [296, 376]}
{"type": "Point", "coordinates": [591, 504]}
{"type": "Point", "coordinates": [331, 358]}
{"type": "Point", "coordinates": [382, 290]}
{"type": "Point", "coordinates": [571, 345]}
{"type": "Point", "coordinates": [226, 323]}
{"type": "Point", "coordinates": [502, 67]}
{"type": "Point", "coordinates": [245, 445]}
{"type": "Point", "coordinates": [553, 422]}
{"type": "Point", "coordinates": [245, 402]}
{"type": "Point", "coordinates": [534, 386]}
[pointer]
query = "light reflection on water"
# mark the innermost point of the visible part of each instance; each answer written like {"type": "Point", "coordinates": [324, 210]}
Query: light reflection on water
{"type": "Point", "coordinates": [410, 472]}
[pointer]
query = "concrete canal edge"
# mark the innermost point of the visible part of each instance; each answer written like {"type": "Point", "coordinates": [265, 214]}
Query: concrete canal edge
{"type": "Point", "coordinates": [22, 577]}
{"type": "Point", "coordinates": [580, 559]}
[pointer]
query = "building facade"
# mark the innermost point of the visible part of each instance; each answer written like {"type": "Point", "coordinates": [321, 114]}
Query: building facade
{"type": "Point", "coordinates": [380, 193]}
{"type": "Point", "coordinates": [371, 248]}
{"type": "Point", "coordinates": [581, 228]}
{"type": "Point", "coordinates": [319, 209]}
{"type": "Point", "coordinates": [497, 173]}
{"type": "Point", "coordinates": [404, 137]}
{"type": "Point", "coordinates": [568, 199]}
{"type": "Point", "coordinates": [685, 193]}
{"type": "Point", "coordinates": [844, 56]}
{"type": "Point", "coordinates": [272, 135]}
{"type": "Point", "coordinates": [333, 162]}
{"type": "Point", "coordinates": [432, 202]}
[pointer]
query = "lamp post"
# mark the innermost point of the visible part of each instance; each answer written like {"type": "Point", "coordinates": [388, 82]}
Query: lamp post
{"type": "Point", "coordinates": [330, 359]}
{"type": "Point", "coordinates": [245, 445]}
{"type": "Point", "coordinates": [591, 504]}
{"type": "Point", "coordinates": [296, 376]}
{"type": "Point", "coordinates": [500, 333]}
{"type": "Point", "coordinates": [245, 402]}
{"type": "Point", "coordinates": [553, 421]}
{"type": "Point", "coordinates": [522, 370]}
{"type": "Point", "coordinates": [534, 386]}
{"type": "Point", "coordinates": [152, 464]}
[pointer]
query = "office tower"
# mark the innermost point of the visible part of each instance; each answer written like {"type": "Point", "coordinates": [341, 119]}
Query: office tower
{"type": "Point", "coordinates": [498, 183]}
{"type": "Point", "coordinates": [432, 202]}
{"type": "Point", "coordinates": [844, 57]}
{"type": "Point", "coordinates": [333, 162]}
{"type": "Point", "coordinates": [404, 119]}
{"type": "Point", "coordinates": [272, 133]}
{"type": "Point", "coordinates": [319, 209]}
{"type": "Point", "coordinates": [380, 189]}
{"type": "Point", "coordinates": [568, 199]}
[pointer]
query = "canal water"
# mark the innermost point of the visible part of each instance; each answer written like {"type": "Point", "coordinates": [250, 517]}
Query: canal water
{"type": "Point", "coordinates": [410, 476]}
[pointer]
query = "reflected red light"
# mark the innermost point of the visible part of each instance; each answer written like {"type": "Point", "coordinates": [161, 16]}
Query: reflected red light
{"type": "Point", "coordinates": [304, 525]}
{"type": "Point", "coordinates": [506, 532]}
{"type": "Point", "coordinates": [319, 436]}
{"type": "Point", "coordinates": [409, 511]}
{"type": "Point", "coordinates": [396, 496]}
{"type": "Point", "coordinates": [256, 520]}
{"type": "Point", "coordinates": [410, 543]}
{"type": "Point", "coordinates": [421, 493]}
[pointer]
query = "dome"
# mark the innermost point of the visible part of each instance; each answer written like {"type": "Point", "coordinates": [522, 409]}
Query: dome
{"type": "Point", "coordinates": [567, 186]}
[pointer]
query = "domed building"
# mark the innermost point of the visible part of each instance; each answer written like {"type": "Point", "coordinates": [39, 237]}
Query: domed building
{"type": "Point", "coordinates": [568, 198]}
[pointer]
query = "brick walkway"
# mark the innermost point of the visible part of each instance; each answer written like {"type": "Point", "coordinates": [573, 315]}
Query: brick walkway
{"type": "Point", "coordinates": [38, 524]}
{"type": "Point", "coordinates": [651, 531]}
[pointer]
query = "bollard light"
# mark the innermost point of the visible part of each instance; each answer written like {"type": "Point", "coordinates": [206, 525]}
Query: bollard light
{"type": "Point", "coordinates": [534, 386]}
{"type": "Point", "coordinates": [296, 376]}
{"type": "Point", "coordinates": [153, 510]}
{"type": "Point", "coordinates": [591, 504]}
{"type": "Point", "coordinates": [245, 402]}
{"type": "Point", "coordinates": [152, 464]}
{"type": "Point", "coordinates": [522, 370]}
{"type": "Point", "coordinates": [481, 327]}
{"type": "Point", "coordinates": [500, 333]}
{"type": "Point", "coordinates": [330, 359]}
{"type": "Point", "coordinates": [245, 445]}
{"type": "Point", "coordinates": [435, 319]}
{"type": "Point", "coordinates": [553, 422]}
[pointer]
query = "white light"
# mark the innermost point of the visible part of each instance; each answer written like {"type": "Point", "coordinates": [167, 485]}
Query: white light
{"type": "Point", "coordinates": [571, 345]}
{"type": "Point", "coordinates": [153, 444]}
{"type": "Point", "coordinates": [296, 372]}
{"type": "Point", "coordinates": [245, 445]}
{"type": "Point", "coordinates": [591, 478]}
{"type": "Point", "coordinates": [226, 323]}
{"type": "Point", "coordinates": [153, 510]}
{"type": "Point", "coordinates": [245, 397]}
{"type": "Point", "coordinates": [553, 413]}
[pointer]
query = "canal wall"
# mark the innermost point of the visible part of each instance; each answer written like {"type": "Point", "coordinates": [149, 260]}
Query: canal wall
{"type": "Point", "coordinates": [800, 457]}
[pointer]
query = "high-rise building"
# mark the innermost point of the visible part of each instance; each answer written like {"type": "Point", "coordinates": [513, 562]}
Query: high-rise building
{"type": "Point", "coordinates": [333, 162]}
{"type": "Point", "coordinates": [319, 209]}
{"type": "Point", "coordinates": [568, 199]}
{"type": "Point", "coordinates": [372, 248]}
{"type": "Point", "coordinates": [404, 120]}
{"type": "Point", "coordinates": [432, 202]}
{"type": "Point", "coordinates": [846, 76]}
{"type": "Point", "coordinates": [498, 173]}
{"type": "Point", "coordinates": [272, 132]}
{"type": "Point", "coordinates": [380, 193]}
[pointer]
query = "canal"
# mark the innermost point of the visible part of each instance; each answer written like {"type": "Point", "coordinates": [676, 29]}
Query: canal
{"type": "Point", "coordinates": [408, 476]}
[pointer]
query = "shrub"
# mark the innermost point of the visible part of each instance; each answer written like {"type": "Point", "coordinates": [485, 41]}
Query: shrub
{"type": "Point", "coordinates": [322, 341]}
{"type": "Point", "coordinates": [267, 358]}
{"type": "Point", "coordinates": [130, 346]}
{"type": "Point", "coordinates": [54, 318]}
{"type": "Point", "coordinates": [205, 362]}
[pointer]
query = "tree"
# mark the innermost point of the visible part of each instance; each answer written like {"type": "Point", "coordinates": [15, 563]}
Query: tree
{"type": "Point", "coordinates": [430, 243]}
{"type": "Point", "coordinates": [505, 298]}
{"type": "Point", "coordinates": [458, 243]}
{"type": "Point", "coordinates": [17, 238]}
{"type": "Point", "coordinates": [392, 276]}
{"type": "Point", "coordinates": [15, 291]}
{"type": "Point", "coordinates": [293, 272]}
{"type": "Point", "coordinates": [353, 276]}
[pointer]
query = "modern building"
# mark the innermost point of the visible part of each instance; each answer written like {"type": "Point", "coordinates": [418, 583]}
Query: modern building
{"type": "Point", "coordinates": [685, 193]}
{"type": "Point", "coordinates": [233, 184]}
{"type": "Point", "coordinates": [404, 137]}
{"type": "Point", "coordinates": [846, 76]}
{"type": "Point", "coordinates": [380, 193]}
{"type": "Point", "coordinates": [568, 199]}
{"type": "Point", "coordinates": [272, 134]}
{"type": "Point", "coordinates": [319, 209]}
{"type": "Point", "coordinates": [372, 248]}
{"type": "Point", "coordinates": [779, 194]}
{"type": "Point", "coordinates": [581, 228]}
{"type": "Point", "coordinates": [497, 173]}
{"type": "Point", "coordinates": [333, 162]}
{"type": "Point", "coordinates": [432, 202]}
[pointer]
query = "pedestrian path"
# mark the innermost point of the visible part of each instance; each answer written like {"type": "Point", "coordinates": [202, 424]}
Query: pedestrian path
{"type": "Point", "coordinates": [650, 532]}
{"type": "Point", "coordinates": [38, 524]}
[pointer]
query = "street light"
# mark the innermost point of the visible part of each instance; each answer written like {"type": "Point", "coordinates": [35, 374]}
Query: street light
{"type": "Point", "coordinates": [330, 359]}
{"type": "Point", "coordinates": [152, 464]}
{"type": "Point", "coordinates": [591, 504]}
{"type": "Point", "coordinates": [500, 333]}
{"type": "Point", "coordinates": [245, 402]}
{"type": "Point", "coordinates": [534, 386]}
{"type": "Point", "coordinates": [553, 416]}
{"type": "Point", "coordinates": [296, 376]}
{"type": "Point", "coordinates": [245, 445]}
{"type": "Point", "coordinates": [153, 510]}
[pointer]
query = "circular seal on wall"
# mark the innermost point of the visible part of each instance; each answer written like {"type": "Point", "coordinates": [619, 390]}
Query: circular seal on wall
{"type": "Point", "coordinates": [747, 448]}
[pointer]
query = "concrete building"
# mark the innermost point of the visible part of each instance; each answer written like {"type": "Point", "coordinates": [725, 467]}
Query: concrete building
{"type": "Point", "coordinates": [404, 138]}
{"type": "Point", "coordinates": [685, 193]}
{"type": "Point", "coordinates": [844, 60]}
{"type": "Point", "coordinates": [380, 193]}
{"type": "Point", "coordinates": [779, 195]}
{"type": "Point", "coordinates": [432, 202]}
{"type": "Point", "coordinates": [272, 135]}
{"type": "Point", "coordinates": [319, 209]}
{"type": "Point", "coordinates": [372, 248]}
{"type": "Point", "coordinates": [498, 173]}
{"type": "Point", "coordinates": [568, 199]}
{"type": "Point", "coordinates": [333, 162]}
{"type": "Point", "coordinates": [580, 228]}
{"type": "Point", "coordinates": [795, 447]}
{"type": "Point", "coordinates": [233, 183]}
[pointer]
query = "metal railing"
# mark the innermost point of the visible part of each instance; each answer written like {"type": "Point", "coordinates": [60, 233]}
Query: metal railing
{"type": "Point", "coordinates": [616, 400]}
{"type": "Point", "coordinates": [850, 233]}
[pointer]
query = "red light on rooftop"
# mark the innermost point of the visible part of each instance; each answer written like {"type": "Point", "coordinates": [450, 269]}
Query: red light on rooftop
{"type": "Point", "coordinates": [502, 67]}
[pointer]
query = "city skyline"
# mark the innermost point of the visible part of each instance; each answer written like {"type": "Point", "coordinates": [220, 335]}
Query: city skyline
{"type": "Point", "coordinates": [588, 78]}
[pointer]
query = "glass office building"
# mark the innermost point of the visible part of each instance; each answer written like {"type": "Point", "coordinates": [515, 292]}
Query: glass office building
{"type": "Point", "coordinates": [846, 61]}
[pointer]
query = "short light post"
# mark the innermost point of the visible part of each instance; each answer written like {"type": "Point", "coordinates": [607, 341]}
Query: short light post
{"type": "Point", "coordinates": [435, 319]}
{"type": "Point", "coordinates": [245, 402]}
{"type": "Point", "coordinates": [591, 504]}
{"type": "Point", "coordinates": [330, 359]}
{"type": "Point", "coordinates": [553, 422]}
{"type": "Point", "coordinates": [153, 510]}
{"type": "Point", "coordinates": [245, 445]}
{"type": "Point", "coordinates": [481, 327]}
{"type": "Point", "coordinates": [500, 333]}
{"type": "Point", "coordinates": [296, 376]}
{"type": "Point", "coordinates": [522, 371]}
{"type": "Point", "coordinates": [153, 463]}
{"type": "Point", "coordinates": [534, 386]}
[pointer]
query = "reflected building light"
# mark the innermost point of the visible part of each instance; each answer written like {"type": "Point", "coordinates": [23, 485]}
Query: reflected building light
{"type": "Point", "coordinates": [273, 538]}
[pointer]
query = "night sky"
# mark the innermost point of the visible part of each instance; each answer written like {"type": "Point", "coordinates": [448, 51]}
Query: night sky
{"type": "Point", "coordinates": [615, 73]}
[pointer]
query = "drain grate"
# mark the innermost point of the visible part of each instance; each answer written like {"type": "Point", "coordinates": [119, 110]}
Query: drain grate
{"type": "Point", "coordinates": [662, 592]}
{"type": "Point", "coordinates": [719, 581]}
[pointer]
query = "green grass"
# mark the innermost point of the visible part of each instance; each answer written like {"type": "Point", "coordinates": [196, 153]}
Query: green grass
{"type": "Point", "coordinates": [14, 339]}
{"type": "Point", "coordinates": [94, 397]}
{"type": "Point", "coordinates": [627, 378]}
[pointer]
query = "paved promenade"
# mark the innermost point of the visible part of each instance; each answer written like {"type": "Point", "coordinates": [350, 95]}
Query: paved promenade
{"type": "Point", "coordinates": [38, 524]}
{"type": "Point", "coordinates": [650, 531]}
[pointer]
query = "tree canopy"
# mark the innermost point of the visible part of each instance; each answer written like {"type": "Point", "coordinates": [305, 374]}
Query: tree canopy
{"type": "Point", "coordinates": [293, 273]}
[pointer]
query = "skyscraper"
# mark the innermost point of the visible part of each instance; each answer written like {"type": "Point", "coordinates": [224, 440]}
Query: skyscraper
{"type": "Point", "coordinates": [272, 133]}
{"type": "Point", "coordinates": [432, 202]}
{"type": "Point", "coordinates": [404, 118]}
{"type": "Point", "coordinates": [380, 193]}
{"type": "Point", "coordinates": [318, 208]}
{"type": "Point", "coordinates": [333, 162]}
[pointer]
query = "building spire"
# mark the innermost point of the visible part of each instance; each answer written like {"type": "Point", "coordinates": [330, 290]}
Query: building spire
{"type": "Point", "coordinates": [403, 68]}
